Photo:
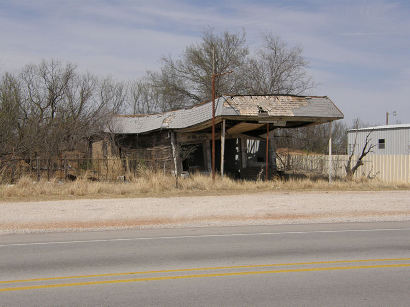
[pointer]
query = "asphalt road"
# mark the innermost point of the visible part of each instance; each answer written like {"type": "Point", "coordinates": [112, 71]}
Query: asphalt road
{"type": "Point", "coordinates": [360, 264]}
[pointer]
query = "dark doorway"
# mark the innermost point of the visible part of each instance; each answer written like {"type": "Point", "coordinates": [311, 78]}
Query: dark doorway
{"type": "Point", "coordinates": [192, 158]}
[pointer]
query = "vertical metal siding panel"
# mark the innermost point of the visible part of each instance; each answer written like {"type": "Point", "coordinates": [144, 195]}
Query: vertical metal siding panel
{"type": "Point", "coordinates": [402, 178]}
{"type": "Point", "coordinates": [395, 145]}
{"type": "Point", "coordinates": [402, 168]}
{"type": "Point", "coordinates": [393, 168]}
{"type": "Point", "coordinates": [380, 167]}
{"type": "Point", "coordinates": [376, 164]}
{"type": "Point", "coordinates": [391, 164]}
{"type": "Point", "coordinates": [387, 167]}
{"type": "Point", "coordinates": [406, 168]}
{"type": "Point", "coordinates": [399, 168]}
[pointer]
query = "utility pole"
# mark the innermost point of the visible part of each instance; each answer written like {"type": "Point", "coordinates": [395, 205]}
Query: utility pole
{"type": "Point", "coordinates": [213, 114]}
{"type": "Point", "coordinates": [214, 75]}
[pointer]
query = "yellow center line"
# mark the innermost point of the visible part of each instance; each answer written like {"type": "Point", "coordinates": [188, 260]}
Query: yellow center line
{"type": "Point", "coordinates": [87, 283]}
{"type": "Point", "coordinates": [201, 269]}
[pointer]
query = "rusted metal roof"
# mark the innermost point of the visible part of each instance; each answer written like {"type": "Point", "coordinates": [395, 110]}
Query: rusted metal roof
{"type": "Point", "coordinates": [254, 108]}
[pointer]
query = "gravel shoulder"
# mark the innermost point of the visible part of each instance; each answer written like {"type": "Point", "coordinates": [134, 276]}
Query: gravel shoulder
{"type": "Point", "coordinates": [195, 211]}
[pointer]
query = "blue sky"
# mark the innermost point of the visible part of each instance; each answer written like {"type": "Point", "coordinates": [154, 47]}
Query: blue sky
{"type": "Point", "coordinates": [359, 51]}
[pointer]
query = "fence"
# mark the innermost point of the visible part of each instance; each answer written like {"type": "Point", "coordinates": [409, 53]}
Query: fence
{"type": "Point", "coordinates": [69, 169]}
{"type": "Point", "coordinates": [388, 168]}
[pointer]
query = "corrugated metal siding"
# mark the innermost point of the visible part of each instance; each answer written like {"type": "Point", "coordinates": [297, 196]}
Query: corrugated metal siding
{"type": "Point", "coordinates": [397, 141]}
{"type": "Point", "coordinates": [387, 168]}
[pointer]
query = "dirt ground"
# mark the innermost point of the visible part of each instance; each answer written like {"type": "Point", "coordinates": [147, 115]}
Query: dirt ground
{"type": "Point", "coordinates": [245, 209]}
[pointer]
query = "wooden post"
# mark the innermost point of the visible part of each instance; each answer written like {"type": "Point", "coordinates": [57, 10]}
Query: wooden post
{"type": "Point", "coordinates": [31, 167]}
{"type": "Point", "coordinates": [174, 156]}
{"type": "Point", "coordinates": [330, 152]}
{"type": "Point", "coordinates": [48, 169]}
{"type": "Point", "coordinates": [208, 156]}
{"type": "Point", "coordinates": [127, 168]}
{"type": "Point", "coordinates": [98, 168]}
{"type": "Point", "coordinates": [65, 169]}
{"type": "Point", "coordinates": [222, 148]}
{"type": "Point", "coordinates": [243, 152]}
{"type": "Point", "coordinates": [267, 152]}
{"type": "Point", "coordinates": [38, 168]}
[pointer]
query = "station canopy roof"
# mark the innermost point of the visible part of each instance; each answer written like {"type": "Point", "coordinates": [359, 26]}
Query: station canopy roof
{"type": "Point", "coordinates": [242, 113]}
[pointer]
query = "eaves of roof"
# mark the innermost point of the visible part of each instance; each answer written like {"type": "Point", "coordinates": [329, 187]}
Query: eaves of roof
{"type": "Point", "coordinates": [316, 108]}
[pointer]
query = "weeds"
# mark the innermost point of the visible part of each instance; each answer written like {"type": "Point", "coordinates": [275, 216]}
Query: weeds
{"type": "Point", "coordinates": [149, 184]}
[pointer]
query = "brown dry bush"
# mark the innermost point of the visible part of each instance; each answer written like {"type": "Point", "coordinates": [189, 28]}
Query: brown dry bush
{"type": "Point", "coordinates": [149, 183]}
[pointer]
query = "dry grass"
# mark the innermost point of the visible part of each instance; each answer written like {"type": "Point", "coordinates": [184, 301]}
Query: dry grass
{"type": "Point", "coordinates": [151, 184]}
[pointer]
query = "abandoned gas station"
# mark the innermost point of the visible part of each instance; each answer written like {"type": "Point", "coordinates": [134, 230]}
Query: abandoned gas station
{"type": "Point", "coordinates": [181, 140]}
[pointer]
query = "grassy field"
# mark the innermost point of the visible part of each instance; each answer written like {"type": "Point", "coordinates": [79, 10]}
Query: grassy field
{"type": "Point", "coordinates": [159, 185]}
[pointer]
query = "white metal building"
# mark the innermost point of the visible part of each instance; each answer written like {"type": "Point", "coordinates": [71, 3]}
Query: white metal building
{"type": "Point", "coordinates": [388, 140]}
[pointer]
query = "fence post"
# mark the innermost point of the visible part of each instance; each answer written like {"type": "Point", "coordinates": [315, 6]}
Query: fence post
{"type": "Point", "coordinates": [48, 169]}
{"type": "Point", "coordinates": [38, 168]}
{"type": "Point", "coordinates": [330, 152]}
{"type": "Point", "coordinates": [174, 155]}
{"type": "Point", "coordinates": [12, 172]}
{"type": "Point", "coordinates": [65, 168]}
{"type": "Point", "coordinates": [98, 169]}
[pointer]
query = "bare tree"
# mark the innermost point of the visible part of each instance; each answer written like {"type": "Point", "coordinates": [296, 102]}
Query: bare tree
{"type": "Point", "coordinates": [274, 69]}
{"type": "Point", "coordinates": [143, 98]}
{"type": "Point", "coordinates": [113, 94]}
{"type": "Point", "coordinates": [313, 138]}
{"type": "Point", "coordinates": [10, 115]}
{"type": "Point", "coordinates": [367, 148]}
{"type": "Point", "coordinates": [187, 80]}
{"type": "Point", "coordinates": [49, 108]}
{"type": "Point", "coordinates": [277, 69]}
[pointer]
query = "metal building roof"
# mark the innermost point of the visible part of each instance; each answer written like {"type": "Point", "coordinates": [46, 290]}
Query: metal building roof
{"type": "Point", "coordinates": [317, 109]}
{"type": "Point", "coordinates": [384, 127]}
